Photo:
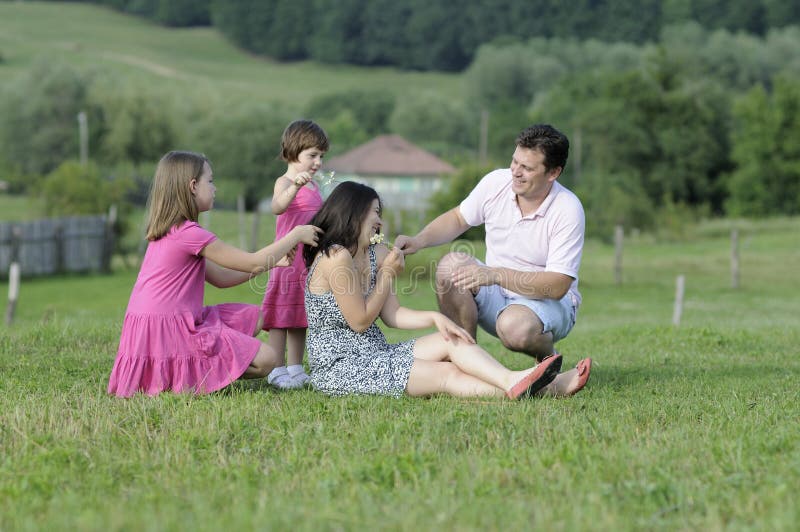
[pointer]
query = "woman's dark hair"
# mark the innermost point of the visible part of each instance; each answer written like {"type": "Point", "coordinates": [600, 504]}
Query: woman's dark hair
{"type": "Point", "coordinates": [340, 217]}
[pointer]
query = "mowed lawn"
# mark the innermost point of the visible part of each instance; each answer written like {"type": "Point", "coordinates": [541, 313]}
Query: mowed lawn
{"type": "Point", "coordinates": [691, 427]}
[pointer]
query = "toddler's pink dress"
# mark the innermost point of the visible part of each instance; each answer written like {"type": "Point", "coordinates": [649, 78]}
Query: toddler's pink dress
{"type": "Point", "coordinates": [284, 306]}
{"type": "Point", "coordinates": [169, 340]}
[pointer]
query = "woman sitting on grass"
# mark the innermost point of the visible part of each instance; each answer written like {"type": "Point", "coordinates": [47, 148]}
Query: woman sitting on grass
{"type": "Point", "coordinates": [349, 285]}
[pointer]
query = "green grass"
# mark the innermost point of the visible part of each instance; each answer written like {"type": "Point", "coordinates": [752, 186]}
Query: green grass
{"type": "Point", "coordinates": [694, 427]}
{"type": "Point", "coordinates": [193, 63]}
{"type": "Point", "coordinates": [20, 208]}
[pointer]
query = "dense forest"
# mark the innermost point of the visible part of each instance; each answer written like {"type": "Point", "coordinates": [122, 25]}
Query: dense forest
{"type": "Point", "coordinates": [696, 122]}
{"type": "Point", "coordinates": [445, 34]}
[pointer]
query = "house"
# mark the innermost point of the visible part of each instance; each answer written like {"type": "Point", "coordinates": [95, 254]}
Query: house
{"type": "Point", "coordinates": [404, 175]}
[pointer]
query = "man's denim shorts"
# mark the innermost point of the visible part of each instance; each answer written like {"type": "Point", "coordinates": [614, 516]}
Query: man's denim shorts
{"type": "Point", "coordinates": [557, 316]}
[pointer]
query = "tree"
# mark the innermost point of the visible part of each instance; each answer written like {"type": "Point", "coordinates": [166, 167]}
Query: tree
{"type": "Point", "coordinates": [39, 128]}
{"type": "Point", "coordinates": [766, 152]}
{"type": "Point", "coordinates": [353, 116]}
{"type": "Point", "coordinates": [434, 118]}
{"type": "Point", "coordinates": [134, 125]}
{"type": "Point", "coordinates": [243, 145]}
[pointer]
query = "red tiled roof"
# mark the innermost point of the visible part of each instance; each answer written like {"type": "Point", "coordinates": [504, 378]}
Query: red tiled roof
{"type": "Point", "coordinates": [389, 155]}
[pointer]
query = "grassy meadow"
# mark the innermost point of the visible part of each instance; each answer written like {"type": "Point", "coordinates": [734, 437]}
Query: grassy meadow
{"type": "Point", "coordinates": [680, 428]}
{"type": "Point", "coordinates": [188, 62]}
{"type": "Point", "coordinates": [690, 427]}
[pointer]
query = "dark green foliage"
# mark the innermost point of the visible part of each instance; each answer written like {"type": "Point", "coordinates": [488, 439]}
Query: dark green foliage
{"type": "Point", "coordinates": [441, 34]}
{"type": "Point", "coordinates": [431, 118]}
{"type": "Point", "coordinates": [134, 125]}
{"type": "Point", "coordinates": [767, 152]}
{"type": "Point", "coordinates": [444, 35]}
{"type": "Point", "coordinates": [167, 12]}
{"type": "Point", "coordinates": [39, 128]}
{"type": "Point", "coordinates": [74, 189]}
{"type": "Point", "coordinates": [243, 146]}
{"type": "Point", "coordinates": [352, 117]}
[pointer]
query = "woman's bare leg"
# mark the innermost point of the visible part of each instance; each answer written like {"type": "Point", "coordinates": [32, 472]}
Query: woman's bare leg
{"type": "Point", "coordinates": [470, 359]}
{"type": "Point", "coordinates": [429, 377]}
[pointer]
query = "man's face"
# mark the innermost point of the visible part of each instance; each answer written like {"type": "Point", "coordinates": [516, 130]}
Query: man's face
{"type": "Point", "coordinates": [530, 177]}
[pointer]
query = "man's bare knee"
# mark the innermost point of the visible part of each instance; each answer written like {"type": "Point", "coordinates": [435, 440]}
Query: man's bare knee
{"type": "Point", "coordinates": [523, 332]}
{"type": "Point", "coordinates": [448, 263]}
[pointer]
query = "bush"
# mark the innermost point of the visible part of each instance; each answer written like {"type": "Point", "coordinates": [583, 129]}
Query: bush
{"type": "Point", "coordinates": [76, 189]}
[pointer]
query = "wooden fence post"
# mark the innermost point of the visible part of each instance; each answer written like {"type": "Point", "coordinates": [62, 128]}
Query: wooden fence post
{"type": "Point", "coordinates": [13, 275]}
{"type": "Point", "coordinates": [735, 258]}
{"type": "Point", "coordinates": [60, 246]}
{"type": "Point", "coordinates": [255, 227]}
{"type": "Point", "coordinates": [619, 235]}
{"type": "Point", "coordinates": [242, 221]}
{"type": "Point", "coordinates": [108, 239]}
{"type": "Point", "coordinates": [678, 310]}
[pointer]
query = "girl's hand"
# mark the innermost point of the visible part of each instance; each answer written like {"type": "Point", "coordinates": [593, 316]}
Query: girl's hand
{"type": "Point", "coordinates": [450, 330]}
{"type": "Point", "coordinates": [307, 234]}
{"type": "Point", "coordinates": [287, 259]}
{"type": "Point", "coordinates": [301, 179]}
{"type": "Point", "coordinates": [394, 262]}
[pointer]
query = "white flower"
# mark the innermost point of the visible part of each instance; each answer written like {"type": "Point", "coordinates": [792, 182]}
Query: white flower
{"type": "Point", "coordinates": [377, 238]}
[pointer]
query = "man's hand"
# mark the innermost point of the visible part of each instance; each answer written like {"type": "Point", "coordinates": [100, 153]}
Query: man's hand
{"type": "Point", "coordinates": [407, 244]}
{"type": "Point", "coordinates": [473, 276]}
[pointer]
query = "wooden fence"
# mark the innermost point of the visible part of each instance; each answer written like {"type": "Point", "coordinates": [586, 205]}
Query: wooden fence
{"type": "Point", "coordinates": [57, 245]}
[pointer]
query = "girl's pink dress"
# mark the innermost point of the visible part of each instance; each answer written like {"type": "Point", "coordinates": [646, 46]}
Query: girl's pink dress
{"type": "Point", "coordinates": [284, 306]}
{"type": "Point", "coordinates": [169, 340]}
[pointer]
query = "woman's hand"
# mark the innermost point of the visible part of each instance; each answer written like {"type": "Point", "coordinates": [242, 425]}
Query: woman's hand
{"type": "Point", "coordinates": [394, 262]}
{"type": "Point", "coordinates": [307, 234]}
{"type": "Point", "coordinates": [450, 330]}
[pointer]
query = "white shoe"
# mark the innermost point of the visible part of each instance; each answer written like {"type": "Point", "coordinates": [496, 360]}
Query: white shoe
{"type": "Point", "coordinates": [300, 379]}
{"type": "Point", "coordinates": [280, 378]}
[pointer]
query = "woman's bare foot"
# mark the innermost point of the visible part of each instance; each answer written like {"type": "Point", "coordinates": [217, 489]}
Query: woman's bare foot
{"type": "Point", "coordinates": [535, 379]}
{"type": "Point", "coordinates": [570, 382]}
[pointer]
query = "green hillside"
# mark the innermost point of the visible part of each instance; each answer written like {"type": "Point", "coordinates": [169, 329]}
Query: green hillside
{"type": "Point", "coordinates": [192, 62]}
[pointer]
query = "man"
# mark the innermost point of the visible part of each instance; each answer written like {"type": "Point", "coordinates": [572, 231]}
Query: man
{"type": "Point", "coordinates": [526, 293]}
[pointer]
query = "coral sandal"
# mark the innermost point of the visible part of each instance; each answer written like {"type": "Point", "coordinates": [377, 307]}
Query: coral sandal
{"type": "Point", "coordinates": [542, 375]}
{"type": "Point", "coordinates": [584, 368]}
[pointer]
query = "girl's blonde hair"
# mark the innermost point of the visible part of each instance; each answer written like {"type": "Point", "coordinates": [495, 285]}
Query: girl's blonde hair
{"type": "Point", "coordinates": [171, 201]}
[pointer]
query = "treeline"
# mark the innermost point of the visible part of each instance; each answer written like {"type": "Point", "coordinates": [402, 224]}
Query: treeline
{"type": "Point", "coordinates": [699, 123]}
{"type": "Point", "coordinates": [445, 34]}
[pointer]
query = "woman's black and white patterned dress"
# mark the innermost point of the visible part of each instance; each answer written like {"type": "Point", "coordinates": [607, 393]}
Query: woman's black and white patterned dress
{"type": "Point", "coordinates": [344, 361]}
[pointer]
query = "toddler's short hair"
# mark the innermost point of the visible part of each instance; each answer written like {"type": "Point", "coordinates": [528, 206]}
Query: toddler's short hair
{"type": "Point", "coordinates": [301, 135]}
